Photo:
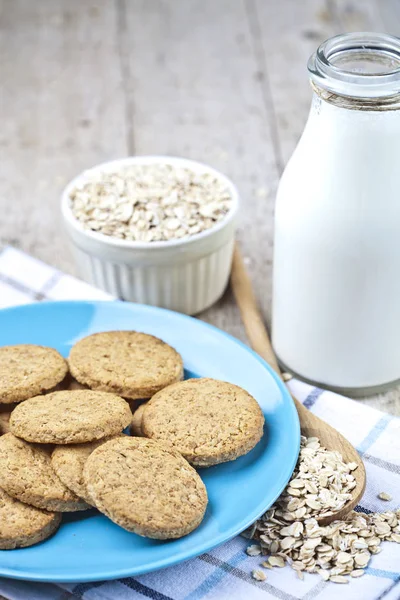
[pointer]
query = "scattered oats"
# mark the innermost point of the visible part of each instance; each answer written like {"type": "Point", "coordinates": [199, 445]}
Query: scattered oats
{"type": "Point", "coordinates": [313, 503]}
{"type": "Point", "coordinates": [154, 202]}
{"type": "Point", "coordinates": [298, 565]}
{"type": "Point", "coordinates": [287, 542]}
{"type": "Point", "coordinates": [323, 480]}
{"type": "Point", "coordinates": [382, 528]}
{"type": "Point", "coordinates": [312, 488]}
{"type": "Point", "coordinates": [266, 565]}
{"type": "Point", "coordinates": [300, 575]}
{"type": "Point", "coordinates": [287, 376]}
{"type": "Point", "coordinates": [297, 483]}
{"type": "Point", "coordinates": [300, 513]}
{"type": "Point", "coordinates": [343, 557]}
{"type": "Point", "coordinates": [258, 575]}
{"type": "Point", "coordinates": [289, 529]}
{"type": "Point", "coordinates": [274, 548]}
{"type": "Point", "coordinates": [338, 579]}
{"type": "Point", "coordinates": [352, 466]}
{"type": "Point", "coordinates": [313, 444]}
{"type": "Point", "coordinates": [312, 543]}
{"type": "Point", "coordinates": [338, 570]}
{"type": "Point", "coordinates": [357, 573]}
{"type": "Point", "coordinates": [362, 559]}
{"type": "Point", "coordinates": [324, 574]}
{"type": "Point", "coordinates": [253, 550]}
{"type": "Point", "coordinates": [293, 491]}
{"type": "Point", "coordinates": [295, 530]}
{"type": "Point", "coordinates": [276, 561]}
{"type": "Point", "coordinates": [385, 496]}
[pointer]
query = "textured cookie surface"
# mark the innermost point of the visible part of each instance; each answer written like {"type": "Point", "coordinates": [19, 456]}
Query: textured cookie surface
{"type": "Point", "coordinates": [27, 475]}
{"type": "Point", "coordinates": [22, 525]}
{"type": "Point", "coordinates": [146, 487]}
{"type": "Point", "coordinates": [27, 370]}
{"type": "Point", "coordinates": [69, 461]}
{"type": "Point", "coordinates": [136, 424]}
{"type": "Point", "coordinates": [131, 364]}
{"type": "Point", "coordinates": [206, 420]}
{"type": "Point", "coordinates": [70, 417]}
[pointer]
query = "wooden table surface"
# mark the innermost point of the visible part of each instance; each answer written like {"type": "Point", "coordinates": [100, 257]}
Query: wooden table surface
{"type": "Point", "coordinates": [221, 81]}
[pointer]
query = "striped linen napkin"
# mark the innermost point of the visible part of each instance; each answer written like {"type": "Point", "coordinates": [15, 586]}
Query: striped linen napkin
{"type": "Point", "coordinates": [225, 573]}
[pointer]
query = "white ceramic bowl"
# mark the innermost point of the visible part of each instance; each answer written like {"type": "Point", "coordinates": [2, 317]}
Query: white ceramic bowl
{"type": "Point", "coordinates": [186, 275]}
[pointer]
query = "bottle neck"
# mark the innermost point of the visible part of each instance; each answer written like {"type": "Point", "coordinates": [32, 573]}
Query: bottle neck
{"type": "Point", "coordinates": [329, 126]}
{"type": "Point", "coordinates": [390, 103]}
{"type": "Point", "coordinates": [360, 70]}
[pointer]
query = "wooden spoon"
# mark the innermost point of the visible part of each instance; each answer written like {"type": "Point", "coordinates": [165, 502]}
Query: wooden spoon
{"type": "Point", "coordinates": [310, 424]}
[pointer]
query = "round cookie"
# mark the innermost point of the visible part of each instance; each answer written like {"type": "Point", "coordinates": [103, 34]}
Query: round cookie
{"type": "Point", "coordinates": [22, 525]}
{"type": "Point", "coordinates": [131, 364]}
{"type": "Point", "coordinates": [70, 417]}
{"type": "Point", "coordinates": [146, 487]}
{"type": "Point", "coordinates": [27, 370]}
{"type": "Point", "coordinates": [68, 462]}
{"type": "Point", "coordinates": [136, 423]}
{"type": "Point", "coordinates": [27, 475]}
{"type": "Point", "coordinates": [206, 420]}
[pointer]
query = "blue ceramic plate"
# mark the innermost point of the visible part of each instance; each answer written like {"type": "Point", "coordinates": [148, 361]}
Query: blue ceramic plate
{"type": "Point", "coordinates": [88, 546]}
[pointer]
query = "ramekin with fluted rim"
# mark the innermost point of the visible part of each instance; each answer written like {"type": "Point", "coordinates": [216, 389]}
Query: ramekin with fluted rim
{"type": "Point", "coordinates": [187, 275]}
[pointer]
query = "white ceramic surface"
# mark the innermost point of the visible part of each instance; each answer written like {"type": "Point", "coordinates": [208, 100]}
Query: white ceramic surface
{"type": "Point", "coordinates": [186, 275]}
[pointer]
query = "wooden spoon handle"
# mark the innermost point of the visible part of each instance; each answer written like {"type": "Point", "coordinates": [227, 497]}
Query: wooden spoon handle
{"type": "Point", "coordinates": [251, 317]}
{"type": "Point", "coordinates": [253, 323]}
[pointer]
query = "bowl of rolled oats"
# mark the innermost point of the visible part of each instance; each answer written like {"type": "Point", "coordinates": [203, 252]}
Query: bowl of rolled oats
{"type": "Point", "coordinates": [153, 229]}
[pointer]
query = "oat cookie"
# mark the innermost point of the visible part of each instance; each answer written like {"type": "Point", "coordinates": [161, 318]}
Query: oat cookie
{"type": "Point", "coordinates": [146, 487]}
{"type": "Point", "coordinates": [70, 417]}
{"type": "Point", "coordinates": [27, 370]}
{"type": "Point", "coordinates": [136, 424]}
{"type": "Point", "coordinates": [22, 525]}
{"type": "Point", "coordinates": [68, 462]}
{"type": "Point", "coordinates": [26, 474]}
{"type": "Point", "coordinates": [131, 364]}
{"type": "Point", "coordinates": [206, 420]}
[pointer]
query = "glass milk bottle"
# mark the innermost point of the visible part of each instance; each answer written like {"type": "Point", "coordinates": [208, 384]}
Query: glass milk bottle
{"type": "Point", "coordinates": [336, 287]}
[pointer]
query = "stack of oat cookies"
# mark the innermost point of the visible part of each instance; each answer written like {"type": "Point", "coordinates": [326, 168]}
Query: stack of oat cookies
{"type": "Point", "coordinates": [64, 449]}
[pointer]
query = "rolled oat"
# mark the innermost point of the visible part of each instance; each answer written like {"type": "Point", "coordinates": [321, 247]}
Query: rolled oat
{"type": "Point", "coordinates": [148, 203]}
{"type": "Point", "coordinates": [385, 496]}
{"type": "Point", "coordinates": [259, 575]}
{"type": "Point", "coordinates": [289, 531]}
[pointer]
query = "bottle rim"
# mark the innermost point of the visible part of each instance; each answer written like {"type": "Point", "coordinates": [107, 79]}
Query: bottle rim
{"type": "Point", "coordinates": [358, 65]}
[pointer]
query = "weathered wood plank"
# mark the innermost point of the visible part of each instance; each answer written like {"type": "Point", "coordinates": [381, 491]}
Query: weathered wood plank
{"type": "Point", "coordinates": [358, 16]}
{"type": "Point", "coordinates": [287, 33]}
{"type": "Point", "coordinates": [196, 92]}
{"type": "Point", "coordinates": [62, 109]}
{"type": "Point", "coordinates": [388, 13]}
